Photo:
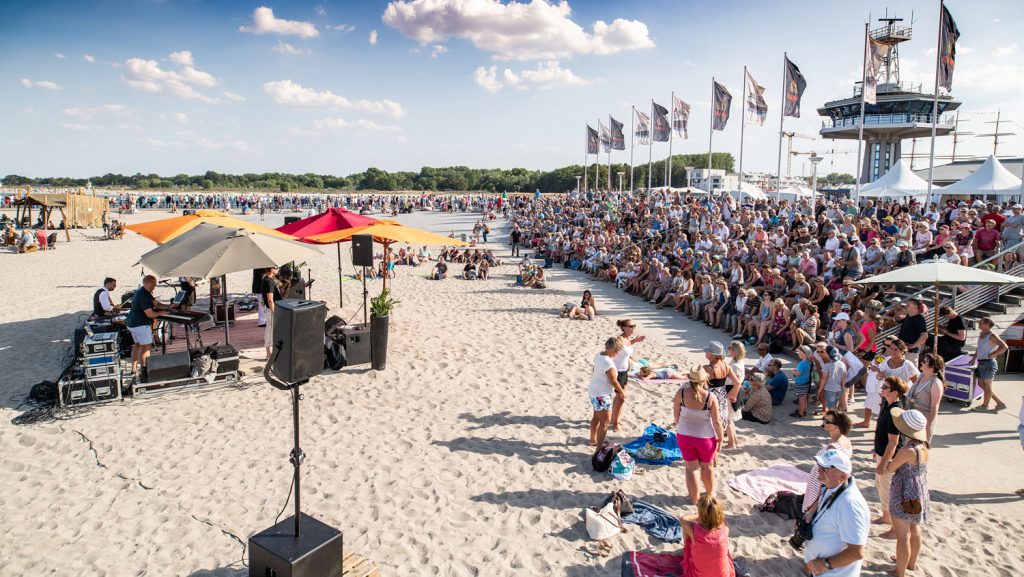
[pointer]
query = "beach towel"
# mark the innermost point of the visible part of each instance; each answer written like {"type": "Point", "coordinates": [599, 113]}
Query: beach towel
{"type": "Point", "coordinates": [641, 564]}
{"type": "Point", "coordinates": [760, 483]}
{"type": "Point", "coordinates": [656, 447]}
{"type": "Point", "coordinates": [656, 522]}
{"type": "Point", "coordinates": [661, 381]}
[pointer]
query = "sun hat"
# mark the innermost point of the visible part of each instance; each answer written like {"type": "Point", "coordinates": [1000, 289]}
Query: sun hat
{"type": "Point", "coordinates": [841, 317]}
{"type": "Point", "coordinates": [715, 348]}
{"type": "Point", "coordinates": [756, 377]}
{"type": "Point", "coordinates": [902, 244]}
{"type": "Point", "coordinates": [807, 350]}
{"type": "Point", "coordinates": [911, 423]}
{"type": "Point", "coordinates": [698, 374]}
{"type": "Point", "coordinates": [835, 459]}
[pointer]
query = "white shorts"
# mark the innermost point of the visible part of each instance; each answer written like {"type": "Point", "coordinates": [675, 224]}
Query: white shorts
{"type": "Point", "coordinates": [268, 331]}
{"type": "Point", "coordinates": [142, 335]}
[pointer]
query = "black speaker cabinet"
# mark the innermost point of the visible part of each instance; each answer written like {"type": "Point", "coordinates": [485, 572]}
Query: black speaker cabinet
{"type": "Point", "coordinates": [362, 250]}
{"type": "Point", "coordinates": [291, 219]}
{"type": "Point", "coordinates": [276, 552]}
{"type": "Point", "coordinates": [168, 367]}
{"type": "Point", "coordinates": [188, 212]}
{"type": "Point", "coordinates": [299, 339]}
{"type": "Point", "coordinates": [357, 344]}
{"type": "Point", "coordinates": [219, 313]}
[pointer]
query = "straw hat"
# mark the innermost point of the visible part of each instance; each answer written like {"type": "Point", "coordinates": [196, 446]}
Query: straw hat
{"type": "Point", "coordinates": [698, 374]}
{"type": "Point", "coordinates": [911, 423]}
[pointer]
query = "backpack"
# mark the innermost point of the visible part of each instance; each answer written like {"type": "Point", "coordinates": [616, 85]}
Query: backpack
{"type": "Point", "coordinates": [784, 504]}
{"type": "Point", "coordinates": [602, 459]}
{"type": "Point", "coordinates": [623, 466]}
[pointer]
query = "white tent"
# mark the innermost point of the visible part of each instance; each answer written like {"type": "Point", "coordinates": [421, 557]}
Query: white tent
{"type": "Point", "coordinates": [797, 192]}
{"type": "Point", "coordinates": [899, 181]}
{"type": "Point", "coordinates": [749, 191]}
{"type": "Point", "coordinates": [990, 178]}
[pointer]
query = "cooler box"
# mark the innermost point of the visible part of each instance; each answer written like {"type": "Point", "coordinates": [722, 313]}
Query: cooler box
{"type": "Point", "coordinates": [961, 384]}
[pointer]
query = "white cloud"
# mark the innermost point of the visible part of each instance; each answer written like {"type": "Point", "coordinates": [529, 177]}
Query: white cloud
{"type": "Point", "coordinates": [59, 56]}
{"type": "Point", "coordinates": [89, 58]}
{"type": "Point", "coordinates": [190, 140]}
{"type": "Point", "coordinates": [88, 113]}
{"type": "Point", "coordinates": [487, 78]}
{"type": "Point", "coordinates": [131, 127]}
{"type": "Point", "coordinates": [79, 126]}
{"type": "Point", "coordinates": [264, 22]}
{"type": "Point", "coordinates": [235, 97]}
{"type": "Point", "coordinates": [437, 50]}
{"type": "Point", "coordinates": [291, 94]}
{"type": "Point", "coordinates": [44, 84]}
{"type": "Point", "coordinates": [181, 118]}
{"type": "Point", "coordinates": [335, 123]}
{"type": "Point", "coordinates": [346, 28]}
{"type": "Point", "coordinates": [286, 48]}
{"type": "Point", "coordinates": [148, 76]}
{"type": "Point", "coordinates": [1005, 50]}
{"type": "Point", "coordinates": [373, 37]}
{"type": "Point", "coordinates": [320, 10]}
{"type": "Point", "coordinates": [514, 30]}
{"type": "Point", "coordinates": [546, 75]}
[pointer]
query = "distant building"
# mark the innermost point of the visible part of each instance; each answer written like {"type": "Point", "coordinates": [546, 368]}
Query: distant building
{"type": "Point", "coordinates": [718, 178]}
{"type": "Point", "coordinates": [946, 174]}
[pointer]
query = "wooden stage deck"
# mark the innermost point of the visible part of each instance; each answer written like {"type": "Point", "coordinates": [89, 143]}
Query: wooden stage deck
{"type": "Point", "coordinates": [244, 334]}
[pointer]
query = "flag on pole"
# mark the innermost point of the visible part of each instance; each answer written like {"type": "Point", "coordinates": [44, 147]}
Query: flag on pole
{"type": "Point", "coordinates": [756, 108]}
{"type": "Point", "coordinates": [643, 127]}
{"type": "Point", "coordinates": [794, 86]}
{"type": "Point", "coordinates": [592, 141]}
{"type": "Point", "coordinates": [680, 116]}
{"type": "Point", "coordinates": [618, 139]}
{"type": "Point", "coordinates": [722, 103]}
{"type": "Point", "coordinates": [948, 35]}
{"type": "Point", "coordinates": [606, 141]}
{"type": "Point", "coordinates": [662, 129]}
{"type": "Point", "coordinates": [873, 56]}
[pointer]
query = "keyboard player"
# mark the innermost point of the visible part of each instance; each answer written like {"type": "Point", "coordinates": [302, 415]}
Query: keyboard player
{"type": "Point", "coordinates": [144, 310]}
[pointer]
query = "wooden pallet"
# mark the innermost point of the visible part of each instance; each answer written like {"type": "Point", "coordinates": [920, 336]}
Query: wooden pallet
{"type": "Point", "coordinates": [355, 566]}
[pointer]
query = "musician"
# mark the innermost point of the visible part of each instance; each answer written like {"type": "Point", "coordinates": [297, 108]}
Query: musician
{"type": "Point", "coordinates": [102, 301]}
{"type": "Point", "coordinates": [270, 293]}
{"type": "Point", "coordinates": [140, 321]}
{"type": "Point", "coordinates": [187, 285]}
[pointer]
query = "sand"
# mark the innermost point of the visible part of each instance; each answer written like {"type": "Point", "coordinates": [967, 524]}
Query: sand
{"type": "Point", "coordinates": [466, 456]}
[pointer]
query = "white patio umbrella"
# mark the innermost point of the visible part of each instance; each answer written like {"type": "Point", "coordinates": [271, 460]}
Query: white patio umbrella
{"type": "Point", "coordinates": [938, 273]}
{"type": "Point", "coordinates": [209, 250]}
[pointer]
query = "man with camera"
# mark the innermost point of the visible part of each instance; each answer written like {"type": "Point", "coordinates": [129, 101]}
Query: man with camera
{"type": "Point", "coordinates": [834, 536]}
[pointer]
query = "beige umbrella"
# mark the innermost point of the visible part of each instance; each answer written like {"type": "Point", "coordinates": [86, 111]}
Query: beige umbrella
{"type": "Point", "coordinates": [209, 250]}
{"type": "Point", "coordinates": [938, 273]}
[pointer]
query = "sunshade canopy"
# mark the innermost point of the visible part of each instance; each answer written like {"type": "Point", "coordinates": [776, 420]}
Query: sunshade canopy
{"type": "Point", "coordinates": [749, 191]}
{"type": "Point", "coordinates": [387, 231]}
{"type": "Point", "coordinates": [209, 250]}
{"type": "Point", "coordinates": [991, 177]}
{"type": "Point", "coordinates": [161, 231]}
{"type": "Point", "coordinates": [899, 181]}
{"type": "Point", "coordinates": [940, 272]}
{"type": "Point", "coordinates": [333, 220]}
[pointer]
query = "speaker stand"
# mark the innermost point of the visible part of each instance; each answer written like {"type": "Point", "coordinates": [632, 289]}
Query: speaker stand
{"type": "Point", "coordinates": [365, 294]}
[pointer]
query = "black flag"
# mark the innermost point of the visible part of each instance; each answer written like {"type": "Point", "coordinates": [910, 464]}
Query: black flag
{"type": "Point", "coordinates": [795, 85]}
{"type": "Point", "coordinates": [721, 104]}
{"type": "Point", "coordinates": [618, 139]}
{"type": "Point", "coordinates": [592, 141]}
{"type": "Point", "coordinates": [948, 35]}
{"type": "Point", "coordinates": [662, 129]}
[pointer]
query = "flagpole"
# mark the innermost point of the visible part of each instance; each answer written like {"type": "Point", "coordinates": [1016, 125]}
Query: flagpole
{"type": "Point", "coordinates": [860, 130]}
{"type": "Point", "coordinates": [782, 118]}
{"type": "Point", "coordinates": [586, 154]}
{"type": "Point", "coordinates": [671, 137]}
{"type": "Point", "coordinates": [597, 157]}
{"type": "Point", "coordinates": [711, 134]}
{"type": "Point", "coordinates": [935, 105]}
{"type": "Point", "coordinates": [632, 144]}
{"type": "Point", "coordinates": [743, 126]}
{"type": "Point", "coordinates": [610, 146]}
{"type": "Point", "coordinates": [650, 149]}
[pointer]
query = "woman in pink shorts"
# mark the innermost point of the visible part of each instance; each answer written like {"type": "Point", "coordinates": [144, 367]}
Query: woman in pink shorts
{"type": "Point", "coordinates": [699, 435]}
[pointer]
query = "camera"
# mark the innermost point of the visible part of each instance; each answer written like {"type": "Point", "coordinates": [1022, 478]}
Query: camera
{"type": "Point", "coordinates": [803, 533]}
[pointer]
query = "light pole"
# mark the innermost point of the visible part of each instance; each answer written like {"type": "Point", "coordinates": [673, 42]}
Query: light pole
{"type": "Point", "coordinates": [815, 159]}
{"type": "Point", "coordinates": [578, 177]}
{"type": "Point", "coordinates": [689, 169]}
{"type": "Point", "coordinates": [621, 174]}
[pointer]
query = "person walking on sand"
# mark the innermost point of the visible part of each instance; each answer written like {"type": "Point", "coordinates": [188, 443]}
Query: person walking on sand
{"type": "Point", "coordinates": [604, 383]}
{"type": "Point", "coordinates": [698, 430]}
{"type": "Point", "coordinates": [990, 346]}
{"type": "Point", "coordinates": [623, 362]}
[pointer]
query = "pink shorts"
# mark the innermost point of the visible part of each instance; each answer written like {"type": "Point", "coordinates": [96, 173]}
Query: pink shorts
{"type": "Point", "coordinates": [697, 448]}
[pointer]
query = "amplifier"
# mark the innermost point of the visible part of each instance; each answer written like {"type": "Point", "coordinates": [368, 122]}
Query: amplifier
{"type": "Point", "coordinates": [357, 343]}
{"type": "Point", "coordinates": [100, 359]}
{"type": "Point", "coordinates": [168, 367]}
{"type": "Point", "coordinates": [226, 357]}
{"type": "Point", "coordinates": [92, 391]}
{"type": "Point", "coordinates": [101, 371]}
{"type": "Point", "coordinates": [96, 344]}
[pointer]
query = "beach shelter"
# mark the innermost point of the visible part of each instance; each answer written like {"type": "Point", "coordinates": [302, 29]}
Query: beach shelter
{"type": "Point", "coordinates": [208, 250]}
{"type": "Point", "coordinates": [163, 230]}
{"type": "Point", "coordinates": [938, 273]}
{"type": "Point", "coordinates": [990, 178]}
{"type": "Point", "coordinates": [898, 182]}
{"type": "Point", "coordinates": [333, 220]}
{"type": "Point", "coordinates": [387, 232]}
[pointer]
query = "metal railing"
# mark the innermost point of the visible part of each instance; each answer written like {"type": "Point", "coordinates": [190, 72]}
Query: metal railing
{"type": "Point", "coordinates": [880, 119]}
{"type": "Point", "coordinates": [889, 88]}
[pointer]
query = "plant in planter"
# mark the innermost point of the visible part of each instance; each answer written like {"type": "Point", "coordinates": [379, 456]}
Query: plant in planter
{"type": "Point", "coordinates": [380, 313]}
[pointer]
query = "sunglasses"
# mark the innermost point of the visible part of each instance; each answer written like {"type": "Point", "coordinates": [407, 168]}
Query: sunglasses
{"type": "Point", "coordinates": [886, 388]}
{"type": "Point", "coordinates": [631, 326]}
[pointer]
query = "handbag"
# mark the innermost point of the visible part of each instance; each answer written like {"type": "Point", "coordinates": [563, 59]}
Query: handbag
{"type": "Point", "coordinates": [622, 502]}
{"type": "Point", "coordinates": [604, 523]}
{"type": "Point", "coordinates": [911, 506]}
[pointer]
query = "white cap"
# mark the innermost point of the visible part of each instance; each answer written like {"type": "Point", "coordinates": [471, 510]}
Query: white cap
{"type": "Point", "coordinates": [841, 317]}
{"type": "Point", "coordinates": [834, 459]}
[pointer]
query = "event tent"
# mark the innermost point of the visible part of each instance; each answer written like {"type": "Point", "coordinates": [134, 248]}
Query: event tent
{"type": "Point", "coordinates": [749, 191]}
{"type": "Point", "coordinates": [990, 178]}
{"type": "Point", "coordinates": [899, 181]}
{"type": "Point", "coordinates": [796, 193]}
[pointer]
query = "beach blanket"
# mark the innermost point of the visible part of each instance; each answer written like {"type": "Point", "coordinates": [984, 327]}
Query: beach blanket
{"type": "Point", "coordinates": [657, 446]}
{"type": "Point", "coordinates": [641, 564]}
{"type": "Point", "coordinates": [660, 381]}
{"type": "Point", "coordinates": [657, 523]}
{"type": "Point", "coordinates": [758, 484]}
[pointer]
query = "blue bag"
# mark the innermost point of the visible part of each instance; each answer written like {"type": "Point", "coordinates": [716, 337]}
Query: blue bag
{"type": "Point", "coordinates": [656, 447]}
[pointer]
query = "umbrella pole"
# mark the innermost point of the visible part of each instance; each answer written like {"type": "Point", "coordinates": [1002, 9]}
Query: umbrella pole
{"type": "Point", "coordinates": [227, 317]}
{"type": "Point", "coordinates": [341, 291]}
{"type": "Point", "coordinates": [387, 258]}
{"type": "Point", "coordinates": [935, 343]}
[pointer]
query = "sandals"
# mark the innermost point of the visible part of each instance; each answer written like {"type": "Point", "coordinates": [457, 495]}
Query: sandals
{"type": "Point", "coordinates": [598, 549]}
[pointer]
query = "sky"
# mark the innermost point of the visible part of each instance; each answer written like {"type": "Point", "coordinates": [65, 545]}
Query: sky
{"type": "Point", "coordinates": [332, 87]}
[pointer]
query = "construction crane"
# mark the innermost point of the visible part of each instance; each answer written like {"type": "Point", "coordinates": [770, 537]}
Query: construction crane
{"type": "Point", "coordinates": [789, 149]}
{"type": "Point", "coordinates": [816, 154]}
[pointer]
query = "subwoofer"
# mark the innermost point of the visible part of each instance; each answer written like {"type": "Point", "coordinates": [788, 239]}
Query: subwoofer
{"type": "Point", "coordinates": [298, 339]}
{"type": "Point", "coordinates": [362, 250]}
{"type": "Point", "coordinates": [291, 219]}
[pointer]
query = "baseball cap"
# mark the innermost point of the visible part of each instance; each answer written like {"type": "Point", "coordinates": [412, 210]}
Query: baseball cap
{"type": "Point", "coordinates": [834, 459]}
{"type": "Point", "coordinates": [841, 317]}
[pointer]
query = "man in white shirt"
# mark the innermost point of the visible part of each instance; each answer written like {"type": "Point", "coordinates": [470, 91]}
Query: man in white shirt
{"type": "Point", "coordinates": [102, 303]}
{"type": "Point", "coordinates": [765, 358]}
{"type": "Point", "coordinates": [839, 521]}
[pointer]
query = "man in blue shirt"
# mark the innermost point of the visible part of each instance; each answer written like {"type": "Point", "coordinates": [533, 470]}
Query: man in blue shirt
{"type": "Point", "coordinates": [778, 382]}
{"type": "Point", "coordinates": [140, 321]}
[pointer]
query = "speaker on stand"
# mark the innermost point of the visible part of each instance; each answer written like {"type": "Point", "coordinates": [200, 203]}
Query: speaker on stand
{"type": "Point", "coordinates": [362, 255]}
{"type": "Point", "coordinates": [300, 546]}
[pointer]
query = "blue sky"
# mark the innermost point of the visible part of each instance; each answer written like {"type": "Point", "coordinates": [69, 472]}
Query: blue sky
{"type": "Point", "coordinates": [334, 87]}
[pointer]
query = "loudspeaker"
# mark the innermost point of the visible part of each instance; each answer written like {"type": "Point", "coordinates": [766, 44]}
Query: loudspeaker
{"type": "Point", "coordinates": [362, 250]}
{"type": "Point", "coordinates": [291, 219]}
{"type": "Point", "coordinates": [219, 313]}
{"type": "Point", "coordinates": [357, 344]}
{"type": "Point", "coordinates": [276, 552]}
{"type": "Point", "coordinates": [299, 339]}
{"type": "Point", "coordinates": [168, 367]}
{"type": "Point", "coordinates": [188, 212]}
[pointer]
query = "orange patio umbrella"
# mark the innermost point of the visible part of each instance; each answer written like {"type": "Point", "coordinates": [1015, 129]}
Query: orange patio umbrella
{"type": "Point", "coordinates": [161, 231]}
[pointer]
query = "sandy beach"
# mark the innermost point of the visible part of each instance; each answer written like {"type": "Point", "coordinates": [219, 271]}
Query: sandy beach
{"type": "Point", "coordinates": [466, 456]}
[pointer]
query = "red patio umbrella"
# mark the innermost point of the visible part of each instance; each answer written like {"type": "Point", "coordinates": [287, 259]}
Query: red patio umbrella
{"type": "Point", "coordinates": [333, 220]}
